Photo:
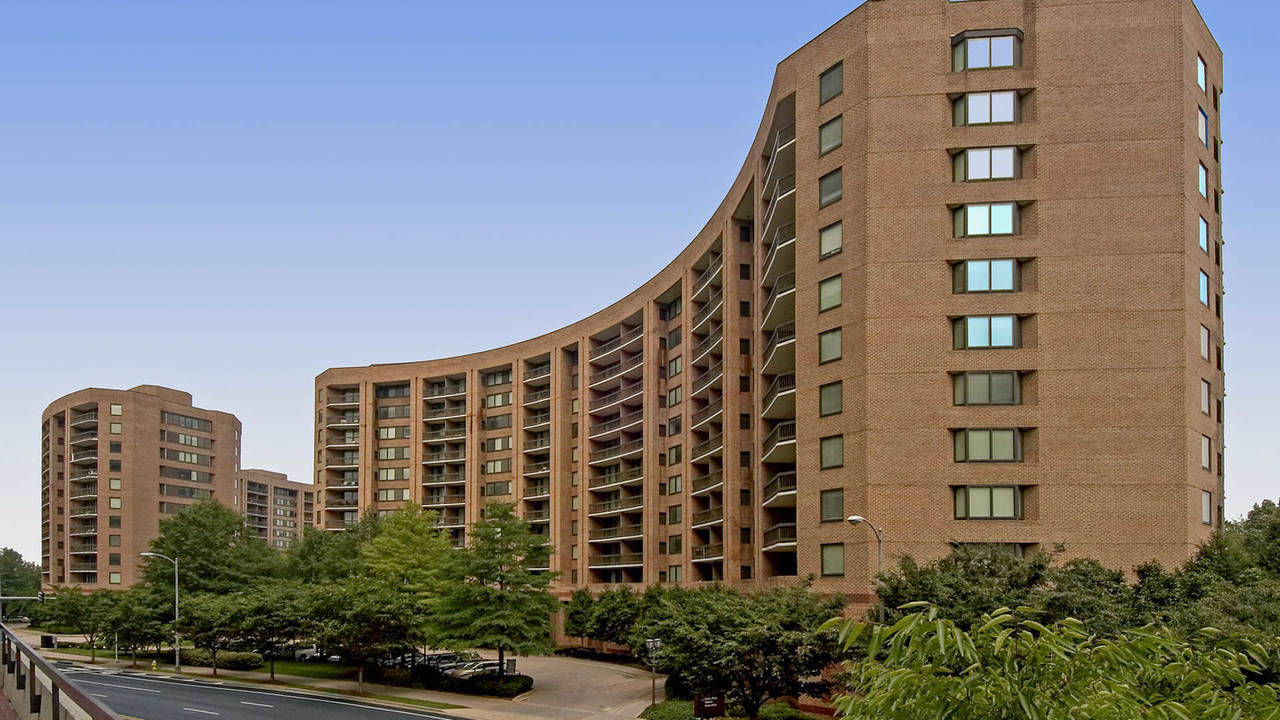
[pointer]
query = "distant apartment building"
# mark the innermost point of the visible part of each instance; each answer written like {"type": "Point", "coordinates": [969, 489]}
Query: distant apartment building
{"type": "Point", "coordinates": [114, 463]}
{"type": "Point", "coordinates": [275, 508]}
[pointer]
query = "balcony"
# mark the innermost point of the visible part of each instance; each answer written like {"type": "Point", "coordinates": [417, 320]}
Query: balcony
{"type": "Point", "coordinates": [84, 530]}
{"type": "Point", "coordinates": [443, 390]}
{"type": "Point", "coordinates": [616, 506]}
{"type": "Point", "coordinates": [541, 442]}
{"type": "Point", "coordinates": [342, 462]}
{"type": "Point", "coordinates": [622, 394]}
{"type": "Point", "coordinates": [707, 344]}
{"type": "Point", "coordinates": [84, 475]}
{"type": "Point", "coordinates": [618, 369]}
{"type": "Point", "coordinates": [712, 446]}
{"type": "Point", "coordinates": [537, 397]}
{"type": "Point", "coordinates": [86, 490]}
{"type": "Point", "coordinates": [441, 499]}
{"type": "Point", "coordinates": [537, 420]}
{"type": "Point", "coordinates": [618, 560]}
{"type": "Point", "coordinates": [713, 409]}
{"type": "Point", "coordinates": [781, 490]}
{"type": "Point", "coordinates": [704, 553]}
{"type": "Point", "coordinates": [780, 352]}
{"type": "Point", "coordinates": [537, 516]}
{"type": "Point", "coordinates": [81, 510]}
{"type": "Point", "coordinates": [620, 532]}
{"type": "Point", "coordinates": [707, 378]}
{"type": "Point", "coordinates": [84, 567]}
{"type": "Point", "coordinates": [448, 478]}
{"type": "Point", "coordinates": [446, 434]}
{"type": "Point", "coordinates": [455, 520]}
{"type": "Point", "coordinates": [344, 441]}
{"type": "Point", "coordinates": [84, 548]}
{"type": "Point", "coordinates": [627, 420]}
{"type": "Point", "coordinates": [780, 538]}
{"type": "Point", "coordinates": [780, 399]}
{"type": "Point", "coordinates": [455, 410]}
{"type": "Point", "coordinates": [85, 456]}
{"type": "Point", "coordinates": [344, 399]}
{"type": "Point", "coordinates": [624, 339]}
{"type": "Point", "coordinates": [782, 205]}
{"type": "Point", "coordinates": [711, 516]}
{"type": "Point", "coordinates": [538, 468]}
{"type": "Point", "coordinates": [634, 475]}
{"type": "Point", "coordinates": [444, 457]}
{"type": "Point", "coordinates": [711, 310]}
{"type": "Point", "coordinates": [84, 419]}
{"type": "Point", "coordinates": [81, 438]}
{"type": "Point", "coordinates": [341, 483]}
{"type": "Point", "coordinates": [617, 451]}
{"type": "Point", "coordinates": [537, 372]}
{"type": "Point", "coordinates": [712, 272]}
{"type": "Point", "coordinates": [781, 258]}
{"type": "Point", "coordinates": [537, 490]}
{"type": "Point", "coordinates": [780, 305]}
{"type": "Point", "coordinates": [782, 159]}
{"type": "Point", "coordinates": [780, 445]}
{"type": "Point", "coordinates": [709, 482]}
{"type": "Point", "coordinates": [344, 421]}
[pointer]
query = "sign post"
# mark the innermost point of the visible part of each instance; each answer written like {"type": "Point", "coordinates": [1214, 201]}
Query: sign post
{"type": "Point", "coordinates": [708, 706]}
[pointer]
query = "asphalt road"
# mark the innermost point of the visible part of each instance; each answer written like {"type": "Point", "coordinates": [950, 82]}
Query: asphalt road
{"type": "Point", "coordinates": [155, 697]}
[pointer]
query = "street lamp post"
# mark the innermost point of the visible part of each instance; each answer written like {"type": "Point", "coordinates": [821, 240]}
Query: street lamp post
{"type": "Point", "coordinates": [653, 645]}
{"type": "Point", "coordinates": [177, 654]}
{"type": "Point", "coordinates": [858, 520]}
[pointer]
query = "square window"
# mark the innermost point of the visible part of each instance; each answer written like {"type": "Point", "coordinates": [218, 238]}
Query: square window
{"type": "Point", "coordinates": [830, 188]}
{"type": "Point", "coordinates": [116, 428]}
{"type": "Point", "coordinates": [113, 521]}
{"type": "Point", "coordinates": [114, 578]}
{"type": "Point", "coordinates": [832, 505]}
{"type": "Point", "coordinates": [831, 135]}
{"type": "Point", "coordinates": [114, 465]}
{"type": "Point", "coordinates": [115, 447]}
{"type": "Point", "coordinates": [113, 558]}
{"type": "Point", "coordinates": [830, 240]}
{"type": "Point", "coordinates": [113, 540]}
{"type": "Point", "coordinates": [114, 484]}
{"type": "Point", "coordinates": [831, 398]}
{"type": "Point", "coordinates": [833, 559]}
{"type": "Point", "coordinates": [831, 83]}
{"type": "Point", "coordinates": [115, 503]}
{"type": "Point", "coordinates": [117, 409]}
{"type": "Point", "coordinates": [829, 294]}
{"type": "Point", "coordinates": [832, 452]}
{"type": "Point", "coordinates": [830, 345]}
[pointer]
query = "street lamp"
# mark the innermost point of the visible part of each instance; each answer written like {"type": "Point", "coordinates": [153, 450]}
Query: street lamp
{"type": "Point", "coordinates": [858, 520]}
{"type": "Point", "coordinates": [177, 655]}
{"type": "Point", "coordinates": [653, 645]}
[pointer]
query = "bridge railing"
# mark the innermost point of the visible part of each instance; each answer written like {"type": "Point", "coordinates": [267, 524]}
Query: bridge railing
{"type": "Point", "coordinates": [38, 690]}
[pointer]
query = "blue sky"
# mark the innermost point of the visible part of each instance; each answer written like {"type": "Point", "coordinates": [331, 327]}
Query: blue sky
{"type": "Point", "coordinates": [230, 197]}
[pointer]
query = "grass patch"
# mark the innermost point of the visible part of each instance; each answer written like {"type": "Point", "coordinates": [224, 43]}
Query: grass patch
{"type": "Point", "coordinates": [318, 670]}
{"type": "Point", "coordinates": [389, 698]}
{"type": "Point", "coordinates": [669, 710]}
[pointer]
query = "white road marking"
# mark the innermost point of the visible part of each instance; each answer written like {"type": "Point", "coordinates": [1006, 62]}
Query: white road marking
{"type": "Point", "coordinates": [246, 702]}
{"type": "Point", "coordinates": [206, 712]}
{"type": "Point", "coordinates": [97, 694]}
{"type": "Point", "coordinates": [124, 687]}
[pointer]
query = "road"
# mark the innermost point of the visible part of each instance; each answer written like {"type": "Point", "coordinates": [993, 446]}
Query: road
{"type": "Point", "coordinates": [157, 697]}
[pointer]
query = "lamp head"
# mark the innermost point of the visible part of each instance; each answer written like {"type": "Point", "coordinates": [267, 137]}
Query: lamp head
{"type": "Point", "coordinates": [149, 555]}
{"type": "Point", "coordinates": [855, 519]}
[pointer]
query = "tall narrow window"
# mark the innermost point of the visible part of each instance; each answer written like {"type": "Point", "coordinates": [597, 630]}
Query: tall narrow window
{"type": "Point", "coordinates": [1206, 395]}
{"type": "Point", "coordinates": [1204, 288]}
{"type": "Point", "coordinates": [832, 505]}
{"type": "Point", "coordinates": [831, 83]}
{"type": "Point", "coordinates": [830, 240]}
{"type": "Point", "coordinates": [831, 398]}
{"type": "Point", "coordinates": [1204, 181]}
{"type": "Point", "coordinates": [1200, 74]}
{"type": "Point", "coordinates": [830, 188]}
{"type": "Point", "coordinates": [1204, 235]}
{"type": "Point", "coordinates": [983, 219]}
{"type": "Point", "coordinates": [1206, 451]}
{"type": "Point", "coordinates": [1206, 507]}
{"type": "Point", "coordinates": [1204, 342]}
{"type": "Point", "coordinates": [831, 135]}
{"type": "Point", "coordinates": [1202, 127]}
{"type": "Point", "coordinates": [829, 293]}
{"type": "Point", "coordinates": [833, 559]}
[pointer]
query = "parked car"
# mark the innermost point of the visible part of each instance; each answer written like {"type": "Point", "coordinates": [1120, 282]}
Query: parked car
{"type": "Point", "coordinates": [471, 669]}
{"type": "Point", "coordinates": [447, 661]}
{"type": "Point", "coordinates": [307, 654]}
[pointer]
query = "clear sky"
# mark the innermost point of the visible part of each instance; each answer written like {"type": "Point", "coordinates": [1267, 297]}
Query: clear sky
{"type": "Point", "coordinates": [229, 197]}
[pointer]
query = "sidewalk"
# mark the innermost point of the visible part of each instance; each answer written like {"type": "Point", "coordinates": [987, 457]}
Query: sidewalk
{"type": "Point", "coordinates": [564, 688]}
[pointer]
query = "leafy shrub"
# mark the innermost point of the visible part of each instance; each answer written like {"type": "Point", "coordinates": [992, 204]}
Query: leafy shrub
{"type": "Point", "coordinates": [227, 660]}
{"type": "Point", "coordinates": [783, 711]}
{"type": "Point", "coordinates": [669, 710]}
{"type": "Point", "coordinates": [507, 686]}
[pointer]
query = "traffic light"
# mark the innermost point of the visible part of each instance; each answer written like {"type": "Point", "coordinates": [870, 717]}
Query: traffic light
{"type": "Point", "coordinates": [40, 596]}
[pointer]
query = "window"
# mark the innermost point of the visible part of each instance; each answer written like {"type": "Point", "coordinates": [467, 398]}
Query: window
{"type": "Point", "coordinates": [493, 467]}
{"type": "Point", "coordinates": [1204, 343]}
{"type": "Point", "coordinates": [115, 503]}
{"type": "Point", "coordinates": [978, 164]}
{"type": "Point", "coordinates": [831, 135]}
{"type": "Point", "coordinates": [829, 294]}
{"type": "Point", "coordinates": [1204, 181]}
{"type": "Point", "coordinates": [114, 578]}
{"type": "Point", "coordinates": [831, 398]}
{"type": "Point", "coordinates": [113, 540]}
{"type": "Point", "coordinates": [986, 388]}
{"type": "Point", "coordinates": [497, 488]}
{"type": "Point", "coordinates": [981, 276]}
{"type": "Point", "coordinates": [831, 83]}
{"type": "Point", "coordinates": [673, 339]}
{"type": "Point", "coordinates": [393, 391]}
{"type": "Point", "coordinates": [830, 187]}
{"type": "Point", "coordinates": [675, 395]}
{"type": "Point", "coordinates": [1206, 452]}
{"type": "Point", "coordinates": [986, 219]}
{"type": "Point", "coordinates": [744, 421]}
{"type": "Point", "coordinates": [675, 544]}
{"type": "Point", "coordinates": [744, 346]}
{"type": "Point", "coordinates": [393, 411]}
{"type": "Point", "coordinates": [675, 366]}
{"type": "Point", "coordinates": [981, 502]}
{"type": "Point", "coordinates": [832, 451]}
{"type": "Point", "coordinates": [1202, 127]}
{"type": "Point", "coordinates": [832, 505]}
{"type": "Point", "coordinates": [1204, 288]}
{"type": "Point", "coordinates": [390, 433]}
{"type": "Point", "coordinates": [1206, 507]}
{"type": "Point", "coordinates": [675, 455]}
{"type": "Point", "coordinates": [496, 377]}
{"type": "Point", "coordinates": [501, 399]}
{"type": "Point", "coordinates": [498, 422]}
{"type": "Point", "coordinates": [986, 108]}
{"type": "Point", "coordinates": [744, 308]}
{"type": "Point", "coordinates": [1206, 392]}
{"type": "Point", "coordinates": [116, 428]}
{"type": "Point", "coordinates": [985, 331]}
{"type": "Point", "coordinates": [117, 409]}
{"type": "Point", "coordinates": [978, 53]}
{"type": "Point", "coordinates": [833, 559]}
{"type": "Point", "coordinates": [389, 474]}
{"type": "Point", "coordinates": [1204, 235]}
{"type": "Point", "coordinates": [114, 484]}
{"type": "Point", "coordinates": [675, 514]}
{"type": "Point", "coordinates": [1200, 74]}
{"type": "Point", "coordinates": [113, 521]}
{"type": "Point", "coordinates": [830, 345]}
{"type": "Point", "coordinates": [744, 271]}
{"type": "Point", "coordinates": [113, 558]}
{"type": "Point", "coordinates": [830, 240]}
{"type": "Point", "coordinates": [395, 453]}
{"type": "Point", "coordinates": [393, 495]}
{"type": "Point", "coordinates": [675, 573]}
{"type": "Point", "coordinates": [496, 444]}
{"type": "Point", "coordinates": [999, 445]}
{"type": "Point", "coordinates": [114, 465]}
{"type": "Point", "coordinates": [675, 485]}
{"type": "Point", "coordinates": [115, 447]}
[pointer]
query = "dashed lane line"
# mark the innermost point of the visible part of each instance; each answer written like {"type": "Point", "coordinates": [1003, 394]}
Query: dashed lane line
{"type": "Point", "coordinates": [198, 710]}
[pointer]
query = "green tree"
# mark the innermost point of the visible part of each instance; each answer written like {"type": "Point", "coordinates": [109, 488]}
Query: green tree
{"type": "Point", "coordinates": [1009, 665]}
{"type": "Point", "coordinates": [494, 600]}
{"type": "Point", "coordinates": [964, 585]}
{"type": "Point", "coordinates": [269, 616]}
{"type": "Point", "coordinates": [17, 578]}
{"type": "Point", "coordinates": [87, 614]}
{"type": "Point", "coordinates": [137, 621]}
{"type": "Point", "coordinates": [750, 647]}
{"type": "Point", "coordinates": [614, 615]}
{"type": "Point", "coordinates": [211, 622]}
{"type": "Point", "coordinates": [362, 621]}
{"type": "Point", "coordinates": [320, 556]}
{"type": "Point", "coordinates": [578, 613]}
{"type": "Point", "coordinates": [215, 552]}
{"type": "Point", "coordinates": [410, 554]}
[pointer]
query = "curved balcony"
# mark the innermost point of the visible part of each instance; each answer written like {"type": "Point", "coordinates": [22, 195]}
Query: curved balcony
{"type": "Point", "coordinates": [781, 490]}
{"type": "Point", "coordinates": [537, 398]}
{"type": "Point", "coordinates": [81, 438]}
{"type": "Point", "coordinates": [616, 506]}
{"type": "Point", "coordinates": [625, 339]}
{"type": "Point", "coordinates": [617, 560]}
{"type": "Point", "coordinates": [708, 483]}
{"type": "Point", "coordinates": [538, 372]}
{"type": "Point", "coordinates": [711, 310]}
{"type": "Point", "coordinates": [629, 368]}
{"type": "Point", "coordinates": [536, 469]}
{"type": "Point", "coordinates": [713, 410]}
{"type": "Point", "coordinates": [444, 499]}
{"type": "Point", "coordinates": [87, 490]}
{"type": "Point", "coordinates": [622, 422]}
{"type": "Point", "coordinates": [707, 553]}
{"type": "Point", "coordinates": [617, 479]}
{"type": "Point", "coordinates": [781, 258]}
{"type": "Point", "coordinates": [448, 456]}
{"type": "Point", "coordinates": [537, 444]}
{"type": "Point", "coordinates": [85, 419]}
{"type": "Point", "coordinates": [782, 160]}
{"type": "Point", "coordinates": [631, 531]}
{"type": "Point", "coordinates": [83, 510]}
{"type": "Point", "coordinates": [627, 449]}
{"type": "Point", "coordinates": [537, 490]}
{"type": "Point", "coordinates": [627, 392]}
{"type": "Point", "coordinates": [779, 538]}
{"type": "Point", "coordinates": [449, 478]}
{"type": "Point", "coordinates": [780, 305]}
{"type": "Point", "coordinates": [709, 277]}
{"type": "Point", "coordinates": [779, 354]}
{"type": "Point", "coordinates": [84, 476]}
{"type": "Point", "coordinates": [782, 205]}
{"type": "Point", "coordinates": [708, 378]}
{"type": "Point", "coordinates": [351, 399]}
{"type": "Point", "coordinates": [707, 518]}
{"type": "Point", "coordinates": [780, 399]}
{"type": "Point", "coordinates": [445, 390]}
{"type": "Point", "coordinates": [538, 516]}
{"type": "Point", "coordinates": [714, 445]}
{"type": "Point", "coordinates": [706, 345]}
{"type": "Point", "coordinates": [780, 444]}
{"type": "Point", "coordinates": [343, 462]}
{"type": "Point", "coordinates": [446, 434]}
{"type": "Point", "coordinates": [449, 412]}
{"type": "Point", "coordinates": [85, 457]}
{"type": "Point", "coordinates": [343, 422]}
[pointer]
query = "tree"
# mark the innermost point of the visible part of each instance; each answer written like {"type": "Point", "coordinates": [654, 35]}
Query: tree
{"type": "Point", "coordinates": [137, 621]}
{"type": "Point", "coordinates": [578, 614]}
{"type": "Point", "coordinates": [320, 556]}
{"type": "Point", "coordinates": [970, 581]}
{"type": "Point", "coordinates": [269, 616]}
{"type": "Point", "coordinates": [750, 647]}
{"type": "Point", "coordinates": [215, 552]}
{"type": "Point", "coordinates": [410, 554]}
{"type": "Point", "coordinates": [17, 578]}
{"type": "Point", "coordinates": [493, 599]}
{"type": "Point", "coordinates": [613, 616]}
{"type": "Point", "coordinates": [211, 622]}
{"type": "Point", "coordinates": [362, 621]}
{"type": "Point", "coordinates": [86, 614]}
{"type": "Point", "coordinates": [1009, 665]}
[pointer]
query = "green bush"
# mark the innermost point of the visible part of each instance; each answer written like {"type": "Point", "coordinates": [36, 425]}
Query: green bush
{"type": "Point", "coordinates": [783, 711]}
{"type": "Point", "coordinates": [227, 660]}
{"type": "Point", "coordinates": [669, 710]}
{"type": "Point", "coordinates": [506, 687]}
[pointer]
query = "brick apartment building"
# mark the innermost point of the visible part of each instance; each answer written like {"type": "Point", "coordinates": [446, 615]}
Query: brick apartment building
{"type": "Point", "coordinates": [114, 463]}
{"type": "Point", "coordinates": [967, 284]}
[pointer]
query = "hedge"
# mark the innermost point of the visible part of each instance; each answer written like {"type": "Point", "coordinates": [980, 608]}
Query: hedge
{"type": "Point", "coordinates": [227, 660]}
{"type": "Point", "coordinates": [506, 686]}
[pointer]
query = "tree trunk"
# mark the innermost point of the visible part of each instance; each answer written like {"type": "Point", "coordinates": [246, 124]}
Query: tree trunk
{"type": "Point", "coordinates": [273, 668]}
{"type": "Point", "coordinates": [93, 649]}
{"type": "Point", "coordinates": [360, 679]}
{"type": "Point", "coordinates": [502, 665]}
{"type": "Point", "coordinates": [215, 662]}
{"type": "Point", "coordinates": [133, 658]}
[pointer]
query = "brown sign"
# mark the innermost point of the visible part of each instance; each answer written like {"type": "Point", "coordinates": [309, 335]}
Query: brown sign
{"type": "Point", "coordinates": [708, 706]}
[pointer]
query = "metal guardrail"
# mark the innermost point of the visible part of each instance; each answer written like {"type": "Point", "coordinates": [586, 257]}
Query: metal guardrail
{"type": "Point", "coordinates": [28, 680]}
